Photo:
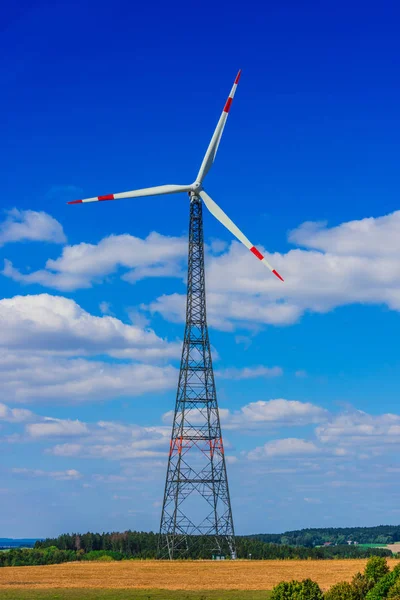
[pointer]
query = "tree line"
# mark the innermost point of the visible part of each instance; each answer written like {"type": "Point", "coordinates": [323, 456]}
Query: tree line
{"type": "Point", "coordinates": [144, 545]}
{"type": "Point", "coordinates": [382, 534]}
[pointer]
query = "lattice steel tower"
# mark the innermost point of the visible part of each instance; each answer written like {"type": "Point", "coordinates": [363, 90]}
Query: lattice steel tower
{"type": "Point", "coordinates": [196, 499]}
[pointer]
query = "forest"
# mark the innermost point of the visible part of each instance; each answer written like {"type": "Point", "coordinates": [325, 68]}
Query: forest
{"type": "Point", "coordinates": [144, 545]}
{"type": "Point", "coordinates": [382, 534]}
{"type": "Point", "coordinates": [302, 544]}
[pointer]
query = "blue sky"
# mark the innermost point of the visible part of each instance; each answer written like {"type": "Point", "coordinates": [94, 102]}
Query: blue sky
{"type": "Point", "coordinates": [102, 98]}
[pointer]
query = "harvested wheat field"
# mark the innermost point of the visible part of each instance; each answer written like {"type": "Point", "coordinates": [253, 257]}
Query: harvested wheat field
{"type": "Point", "coordinates": [185, 575]}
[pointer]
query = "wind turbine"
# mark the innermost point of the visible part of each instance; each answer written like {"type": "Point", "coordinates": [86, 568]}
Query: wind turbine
{"type": "Point", "coordinates": [196, 189]}
{"type": "Point", "coordinates": [196, 503]}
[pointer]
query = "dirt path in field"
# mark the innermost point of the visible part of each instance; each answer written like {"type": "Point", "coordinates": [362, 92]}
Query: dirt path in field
{"type": "Point", "coordinates": [190, 575]}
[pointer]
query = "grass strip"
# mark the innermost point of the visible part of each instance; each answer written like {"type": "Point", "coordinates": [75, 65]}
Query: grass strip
{"type": "Point", "coordinates": [105, 594]}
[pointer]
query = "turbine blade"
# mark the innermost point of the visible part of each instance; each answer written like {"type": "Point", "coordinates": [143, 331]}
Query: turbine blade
{"type": "Point", "coordinates": [225, 220]}
{"type": "Point", "coordinates": [151, 191]}
{"type": "Point", "coordinates": [209, 156]}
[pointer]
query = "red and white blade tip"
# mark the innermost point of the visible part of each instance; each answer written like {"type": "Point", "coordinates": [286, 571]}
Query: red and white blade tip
{"type": "Point", "coordinates": [233, 90]}
{"type": "Point", "coordinates": [95, 199]}
{"type": "Point", "coordinates": [277, 275]}
{"type": "Point", "coordinates": [258, 254]}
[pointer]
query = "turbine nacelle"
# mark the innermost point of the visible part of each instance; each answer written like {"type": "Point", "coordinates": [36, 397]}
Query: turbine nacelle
{"type": "Point", "coordinates": [196, 188]}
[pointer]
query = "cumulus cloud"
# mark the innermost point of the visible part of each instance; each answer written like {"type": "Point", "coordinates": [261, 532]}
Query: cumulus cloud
{"type": "Point", "coordinates": [68, 475]}
{"type": "Point", "coordinates": [109, 440]}
{"type": "Point", "coordinates": [66, 450]}
{"type": "Point", "coordinates": [28, 225]}
{"type": "Point", "coordinates": [357, 428]}
{"type": "Point", "coordinates": [367, 237]}
{"type": "Point", "coordinates": [351, 433]}
{"type": "Point", "coordinates": [227, 310]}
{"type": "Point", "coordinates": [15, 415]}
{"type": "Point", "coordinates": [284, 447]}
{"type": "Point", "coordinates": [35, 378]}
{"type": "Point", "coordinates": [59, 325]}
{"type": "Point", "coordinates": [354, 262]}
{"type": "Point", "coordinates": [115, 441]}
{"type": "Point", "coordinates": [43, 344]}
{"type": "Point", "coordinates": [259, 414]}
{"type": "Point", "coordinates": [276, 412]}
{"type": "Point", "coordinates": [82, 265]}
{"type": "Point", "coordinates": [57, 428]}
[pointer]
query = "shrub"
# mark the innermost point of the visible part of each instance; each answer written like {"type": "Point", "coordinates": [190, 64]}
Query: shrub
{"type": "Point", "coordinates": [394, 592]}
{"type": "Point", "coordinates": [376, 568]}
{"type": "Point", "coordinates": [284, 590]}
{"type": "Point", "coordinates": [341, 591]}
{"type": "Point", "coordinates": [310, 590]}
{"type": "Point", "coordinates": [297, 590]}
{"type": "Point", "coordinates": [102, 555]}
{"type": "Point", "coordinates": [361, 586]}
{"type": "Point", "coordinates": [381, 589]}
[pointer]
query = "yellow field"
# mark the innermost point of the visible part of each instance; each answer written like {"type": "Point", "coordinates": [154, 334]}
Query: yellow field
{"type": "Point", "coordinates": [190, 575]}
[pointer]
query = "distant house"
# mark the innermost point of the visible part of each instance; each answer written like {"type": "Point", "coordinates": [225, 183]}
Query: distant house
{"type": "Point", "coordinates": [327, 543]}
{"type": "Point", "coordinates": [351, 543]}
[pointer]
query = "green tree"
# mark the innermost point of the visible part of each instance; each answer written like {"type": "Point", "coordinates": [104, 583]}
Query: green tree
{"type": "Point", "coordinates": [376, 568]}
{"type": "Point", "coordinates": [341, 591]}
{"type": "Point", "coordinates": [361, 586]}
{"type": "Point", "coordinates": [297, 590]}
{"type": "Point", "coordinates": [381, 589]}
{"type": "Point", "coordinates": [310, 590]}
{"type": "Point", "coordinates": [394, 592]}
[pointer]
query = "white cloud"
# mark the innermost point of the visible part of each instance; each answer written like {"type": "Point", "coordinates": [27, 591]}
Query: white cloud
{"type": "Point", "coordinates": [37, 378]}
{"type": "Point", "coordinates": [57, 324]}
{"type": "Point", "coordinates": [351, 433]}
{"type": "Point", "coordinates": [248, 372]}
{"type": "Point", "coordinates": [57, 428]}
{"type": "Point", "coordinates": [82, 265]}
{"type": "Point", "coordinates": [229, 310]}
{"type": "Point", "coordinates": [108, 440]}
{"type": "Point", "coordinates": [15, 415]}
{"type": "Point", "coordinates": [43, 342]}
{"type": "Point", "coordinates": [356, 262]}
{"type": "Point", "coordinates": [275, 412]}
{"type": "Point", "coordinates": [66, 450]}
{"type": "Point", "coordinates": [28, 225]}
{"type": "Point", "coordinates": [68, 475]}
{"type": "Point", "coordinates": [357, 428]}
{"type": "Point", "coordinates": [258, 414]}
{"type": "Point", "coordinates": [367, 237]}
{"type": "Point", "coordinates": [284, 447]}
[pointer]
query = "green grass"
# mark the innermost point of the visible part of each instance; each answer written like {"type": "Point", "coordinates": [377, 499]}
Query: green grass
{"type": "Point", "coordinates": [371, 545]}
{"type": "Point", "coordinates": [101, 594]}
